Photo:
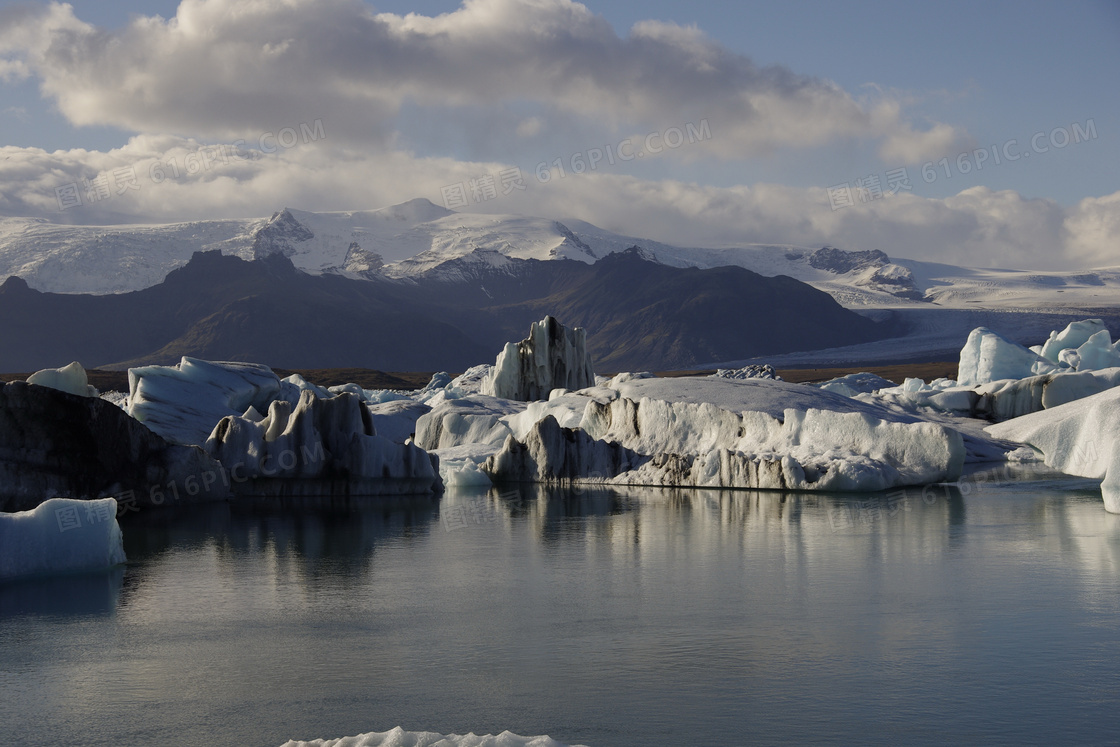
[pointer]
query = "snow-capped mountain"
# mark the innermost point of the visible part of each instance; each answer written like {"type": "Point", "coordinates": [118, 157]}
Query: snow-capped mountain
{"type": "Point", "coordinates": [418, 238]}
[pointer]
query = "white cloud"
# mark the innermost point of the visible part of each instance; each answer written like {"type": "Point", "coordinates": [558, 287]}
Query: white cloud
{"type": "Point", "coordinates": [494, 77]}
{"type": "Point", "coordinates": [230, 68]}
{"type": "Point", "coordinates": [977, 227]}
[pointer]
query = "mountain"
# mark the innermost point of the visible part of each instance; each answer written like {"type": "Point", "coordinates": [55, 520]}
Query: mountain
{"type": "Point", "coordinates": [419, 239]}
{"type": "Point", "coordinates": [639, 315]}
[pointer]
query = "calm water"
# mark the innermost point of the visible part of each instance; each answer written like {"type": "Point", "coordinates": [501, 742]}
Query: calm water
{"type": "Point", "coordinates": [639, 617]}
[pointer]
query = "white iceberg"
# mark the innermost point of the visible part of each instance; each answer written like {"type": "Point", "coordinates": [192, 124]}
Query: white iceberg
{"type": "Point", "coordinates": [1079, 438]}
{"type": "Point", "coordinates": [1073, 336]}
{"type": "Point", "coordinates": [60, 535]}
{"type": "Point", "coordinates": [396, 419]}
{"type": "Point", "coordinates": [474, 419]}
{"type": "Point", "coordinates": [717, 432]}
{"type": "Point", "coordinates": [989, 356]}
{"type": "Point", "coordinates": [70, 378]}
{"type": "Point", "coordinates": [1096, 353]}
{"type": "Point", "coordinates": [398, 737]}
{"type": "Point", "coordinates": [319, 440]}
{"type": "Point", "coordinates": [183, 403]}
{"type": "Point", "coordinates": [551, 357]}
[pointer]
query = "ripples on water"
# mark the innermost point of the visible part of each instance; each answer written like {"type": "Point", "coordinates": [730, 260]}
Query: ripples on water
{"type": "Point", "coordinates": [634, 617]}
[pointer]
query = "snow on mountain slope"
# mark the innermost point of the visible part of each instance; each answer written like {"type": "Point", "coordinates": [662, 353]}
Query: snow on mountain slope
{"type": "Point", "coordinates": [418, 237]}
{"type": "Point", "coordinates": [110, 259]}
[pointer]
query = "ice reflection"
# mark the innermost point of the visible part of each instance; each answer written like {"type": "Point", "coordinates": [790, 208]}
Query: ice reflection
{"type": "Point", "coordinates": [74, 595]}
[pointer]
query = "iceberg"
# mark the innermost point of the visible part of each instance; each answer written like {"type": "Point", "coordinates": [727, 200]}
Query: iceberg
{"type": "Point", "coordinates": [183, 403]}
{"type": "Point", "coordinates": [1073, 336]}
{"type": "Point", "coordinates": [857, 383]}
{"type": "Point", "coordinates": [473, 419]}
{"type": "Point", "coordinates": [1079, 438]}
{"type": "Point", "coordinates": [551, 357]}
{"type": "Point", "coordinates": [396, 419]}
{"type": "Point", "coordinates": [56, 443]}
{"type": "Point", "coordinates": [70, 378]}
{"type": "Point", "coordinates": [60, 535]}
{"type": "Point", "coordinates": [1096, 353]}
{"type": "Point", "coordinates": [398, 737]}
{"type": "Point", "coordinates": [765, 371]}
{"type": "Point", "coordinates": [293, 450]}
{"type": "Point", "coordinates": [988, 356]}
{"type": "Point", "coordinates": [716, 432]}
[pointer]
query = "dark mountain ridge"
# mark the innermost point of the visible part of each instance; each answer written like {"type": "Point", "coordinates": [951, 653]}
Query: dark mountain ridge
{"type": "Point", "coordinates": [638, 314]}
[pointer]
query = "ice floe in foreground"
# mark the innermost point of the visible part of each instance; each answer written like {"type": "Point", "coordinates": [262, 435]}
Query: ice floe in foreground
{"type": "Point", "coordinates": [60, 535]}
{"type": "Point", "coordinates": [398, 737]}
{"type": "Point", "coordinates": [1079, 438]}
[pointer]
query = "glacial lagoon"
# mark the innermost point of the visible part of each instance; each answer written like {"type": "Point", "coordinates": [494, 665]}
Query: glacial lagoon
{"type": "Point", "coordinates": [984, 612]}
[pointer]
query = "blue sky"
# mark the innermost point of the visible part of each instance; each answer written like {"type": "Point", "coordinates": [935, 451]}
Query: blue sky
{"type": "Point", "coordinates": [963, 82]}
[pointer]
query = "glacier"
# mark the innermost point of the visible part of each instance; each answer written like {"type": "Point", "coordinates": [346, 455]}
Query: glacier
{"type": "Point", "coordinates": [60, 535]}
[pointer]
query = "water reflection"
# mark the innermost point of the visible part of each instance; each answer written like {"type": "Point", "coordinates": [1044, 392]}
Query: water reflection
{"type": "Point", "coordinates": [72, 595]}
{"type": "Point", "coordinates": [602, 616]}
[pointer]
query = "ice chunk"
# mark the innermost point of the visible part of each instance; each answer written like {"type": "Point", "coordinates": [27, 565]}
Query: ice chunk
{"type": "Point", "coordinates": [396, 419]}
{"type": "Point", "coordinates": [753, 433]}
{"type": "Point", "coordinates": [53, 443]}
{"type": "Point", "coordinates": [857, 383]}
{"type": "Point", "coordinates": [60, 535]}
{"type": "Point", "coordinates": [475, 419]}
{"type": "Point", "coordinates": [70, 378]}
{"type": "Point", "coordinates": [1079, 438]}
{"type": "Point", "coordinates": [551, 357]}
{"type": "Point", "coordinates": [320, 439]}
{"type": "Point", "coordinates": [765, 371]}
{"type": "Point", "coordinates": [183, 403]}
{"type": "Point", "coordinates": [1097, 352]}
{"type": "Point", "coordinates": [398, 737]}
{"type": "Point", "coordinates": [1073, 336]}
{"type": "Point", "coordinates": [988, 356]}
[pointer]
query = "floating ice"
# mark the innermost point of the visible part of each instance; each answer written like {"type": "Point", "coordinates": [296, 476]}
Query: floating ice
{"type": "Point", "coordinates": [857, 383]}
{"type": "Point", "coordinates": [475, 419]}
{"type": "Point", "coordinates": [1079, 438]}
{"type": "Point", "coordinates": [551, 357]}
{"type": "Point", "coordinates": [398, 737]}
{"type": "Point", "coordinates": [1096, 353]}
{"type": "Point", "coordinates": [70, 378]}
{"type": "Point", "coordinates": [1073, 336]}
{"type": "Point", "coordinates": [732, 433]}
{"type": "Point", "coordinates": [60, 535]}
{"type": "Point", "coordinates": [988, 356]}
{"type": "Point", "coordinates": [320, 439]}
{"type": "Point", "coordinates": [396, 419]}
{"type": "Point", "coordinates": [183, 403]}
{"type": "Point", "coordinates": [765, 371]}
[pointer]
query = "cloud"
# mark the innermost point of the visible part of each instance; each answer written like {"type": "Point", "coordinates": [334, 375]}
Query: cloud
{"type": "Point", "coordinates": [179, 179]}
{"type": "Point", "coordinates": [230, 68]}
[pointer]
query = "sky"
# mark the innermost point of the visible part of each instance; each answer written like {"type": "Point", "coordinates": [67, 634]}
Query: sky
{"type": "Point", "coordinates": [983, 134]}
